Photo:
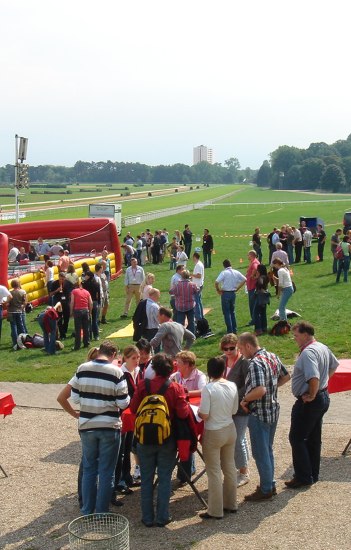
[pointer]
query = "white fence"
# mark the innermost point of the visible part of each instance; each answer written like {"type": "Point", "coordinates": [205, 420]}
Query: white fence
{"type": "Point", "coordinates": [156, 214]}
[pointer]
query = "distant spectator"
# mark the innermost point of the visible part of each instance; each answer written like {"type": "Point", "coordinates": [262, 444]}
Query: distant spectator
{"type": "Point", "coordinates": [55, 249]}
{"type": "Point", "coordinates": [107, 268]}
{"type": "Point", "coordinates": [80, 308]}
{"type": "Point", "coordinates": [334, 242]}
{"type": "Point", "coordinates": [22, 255]}
{"type": "Point", "coordinates": [256, 244]}
{"type": "Point", "coordinates": [307, 242]}
{"type": "Point", "coordinates": [13, 253]}
{"type": "Point", "coordinates": [344, 262]}
{"type": "Point", "coordinates": [63, 261]}
{"type": "Point", "coordinates": [322, 237]}
{"type": "Point", "coordinates": [42, 247]}
{"type": "Point", "coordinates": [32, 254]}
{"type": "Point", "coordinates": [280, 254]}
{"type": "Point", "coordinates": [285, 287]}
{"type": "Point", "coordinates": [71, 276]}
{"type": "Point", "coordinates": [146, 285]}
{"type": "Point", "coordinates": [5, 295]}
{"type": "Point", "coordinates": [16, 312]}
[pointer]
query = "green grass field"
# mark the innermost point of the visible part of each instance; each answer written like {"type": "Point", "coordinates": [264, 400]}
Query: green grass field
{"type": "Point", "coordinates": [318, 299]}
{"type": "Point", "coordinates": [130, 206]}
{"type": "Point", "coordinates": [81, 191]}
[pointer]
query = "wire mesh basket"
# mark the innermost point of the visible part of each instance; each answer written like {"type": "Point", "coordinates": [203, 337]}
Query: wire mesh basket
{"type": "Point", "coordinates": [99, 532]}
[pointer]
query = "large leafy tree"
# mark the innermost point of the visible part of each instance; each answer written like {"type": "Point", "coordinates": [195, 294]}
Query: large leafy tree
{"type": "Point", "coordinates": [311, 172]}
{"type": "Point", "coordinates": [333, 179]}
{"type": "Point", "coordinates": [293, 177]}
{"type": "Point", "coordinates": [320, 150]}
{"type": "Point", "coordinates": [285, 157]}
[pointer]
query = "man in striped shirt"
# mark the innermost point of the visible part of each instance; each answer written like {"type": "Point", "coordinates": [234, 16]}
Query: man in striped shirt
{"type": "Point", "coordinates": [100, 390]}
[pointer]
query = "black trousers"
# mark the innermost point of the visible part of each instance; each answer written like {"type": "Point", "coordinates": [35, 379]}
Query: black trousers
{"type": "Point", "coordinates": [306, 436]}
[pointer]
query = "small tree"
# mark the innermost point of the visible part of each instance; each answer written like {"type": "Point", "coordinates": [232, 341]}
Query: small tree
{"type": "Point", "coordinates": [264, 175]}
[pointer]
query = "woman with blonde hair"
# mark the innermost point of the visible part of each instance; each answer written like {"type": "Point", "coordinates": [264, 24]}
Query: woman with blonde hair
{"type": "Point", "coordinates": [236, 371]}
{"type": "Point", "coordinates": [146, 285]}
{"type": "Point", "coordinates": [285, 287]}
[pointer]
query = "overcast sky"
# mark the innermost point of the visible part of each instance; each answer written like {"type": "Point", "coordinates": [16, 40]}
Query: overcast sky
{"type": "Point", "coordinates": [147, 81]}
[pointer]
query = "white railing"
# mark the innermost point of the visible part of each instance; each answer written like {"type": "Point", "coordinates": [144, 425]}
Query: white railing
{"type": "Point", "coordinates": [165, 212]}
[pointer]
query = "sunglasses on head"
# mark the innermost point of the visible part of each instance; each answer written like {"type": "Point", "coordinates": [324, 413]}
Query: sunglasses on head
{"type": "Point", "coordinates": [229, 349]}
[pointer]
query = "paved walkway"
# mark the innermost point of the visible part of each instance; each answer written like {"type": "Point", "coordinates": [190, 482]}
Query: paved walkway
{"type": "Point", "coordinates": [44, 396]}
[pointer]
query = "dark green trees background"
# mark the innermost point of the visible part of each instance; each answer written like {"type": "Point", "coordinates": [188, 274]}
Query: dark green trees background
{"type": "Point", "coordinates": [321, 166]}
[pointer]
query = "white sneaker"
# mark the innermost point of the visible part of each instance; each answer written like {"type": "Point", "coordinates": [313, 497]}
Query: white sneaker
{"type": "Point", "coordinates": [136, 474]}
{"type": "Point", "coordinates": [242, 479]}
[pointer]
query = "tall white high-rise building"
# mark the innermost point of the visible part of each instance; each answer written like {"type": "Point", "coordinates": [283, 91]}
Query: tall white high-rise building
{"type": "Point", "coordinates": [202, 153]}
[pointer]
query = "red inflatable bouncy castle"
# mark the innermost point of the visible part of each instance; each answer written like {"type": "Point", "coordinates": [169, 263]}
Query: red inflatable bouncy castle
{"type": "Point", "coordinates": [85, 235]}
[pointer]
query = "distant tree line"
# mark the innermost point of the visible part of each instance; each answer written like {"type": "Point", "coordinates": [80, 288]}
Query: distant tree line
{"type": "Point", "coordinates": [321, 166]}
{"type": "Point", "coordinates": [134, 172]}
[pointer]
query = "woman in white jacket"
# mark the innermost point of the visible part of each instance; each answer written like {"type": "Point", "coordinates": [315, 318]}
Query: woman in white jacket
{"type": "Point", "coordinates": [285, 287]}
{"type": "Point", "coordinates": [219, 402]}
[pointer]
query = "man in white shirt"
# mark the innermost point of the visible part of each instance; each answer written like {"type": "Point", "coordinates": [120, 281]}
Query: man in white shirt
{"type": "Point", "coordinates": [227, 284]}
{"type": "Point", "coordinates": [152, 308]}
{"type": "Point", "coordinates": [297, 242]}
{"type": "Point", "coordinates": [4, 297]}
{"type": "Point", "coordinates": [13, 253]}
{"type": "Point", "coordinates": [307, 241]}
{"type": "Point", "coordinates": [134, 276]}
{"type": "Point", "coordinates": [198, 277]}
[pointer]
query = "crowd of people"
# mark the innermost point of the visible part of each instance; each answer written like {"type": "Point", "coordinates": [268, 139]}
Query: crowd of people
{"type": "Point", "coordinates": [237, 400]}
{"type": "Point", "coordinates": [85, 299]}
{"type": "Point", "coordinates": [154, 247]}
{"type": "Point", "coordinates": [235, 406]}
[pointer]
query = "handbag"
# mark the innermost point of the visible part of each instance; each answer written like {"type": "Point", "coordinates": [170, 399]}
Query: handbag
{"type": "Point", "coordinates": [263, 298]}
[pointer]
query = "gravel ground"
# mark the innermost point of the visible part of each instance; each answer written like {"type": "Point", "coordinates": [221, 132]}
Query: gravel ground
{"type": "Point", "coordinates": [40, 451]}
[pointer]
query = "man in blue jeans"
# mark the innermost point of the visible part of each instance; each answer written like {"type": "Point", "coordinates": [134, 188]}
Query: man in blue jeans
{"type": "Point", "coordinates": [228, 282]}
{"type": "Point", "coordinates": [265, 374]}
{"type": "Point", "coordinates": [100, 390]}
{"type": "Point", "coordinates": [309, 384]}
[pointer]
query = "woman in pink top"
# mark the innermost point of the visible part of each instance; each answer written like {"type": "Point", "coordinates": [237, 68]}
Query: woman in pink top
{"type": "Point", "coordinates": [251, 282]}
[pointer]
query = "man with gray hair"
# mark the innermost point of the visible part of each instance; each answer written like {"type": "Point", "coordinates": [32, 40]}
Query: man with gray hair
{"type": "Point", "coordinates": [313, 368]}
{"type": "Point", "coordinates": [280, 254]}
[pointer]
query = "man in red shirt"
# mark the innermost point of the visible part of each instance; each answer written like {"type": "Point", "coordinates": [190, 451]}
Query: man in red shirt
{"type": "Point", "coordinates": [160, 457]}
{"type": "Point", "coordinates": [251, 282]}
{"type": "Point", "coordinates": [81, 308]}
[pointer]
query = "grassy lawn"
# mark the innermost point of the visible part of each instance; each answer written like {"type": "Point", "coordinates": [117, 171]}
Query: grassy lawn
{"type": "Point", "coordinates": [81, 191]}
{"type": "Point", "coordinates": [318, 299]}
